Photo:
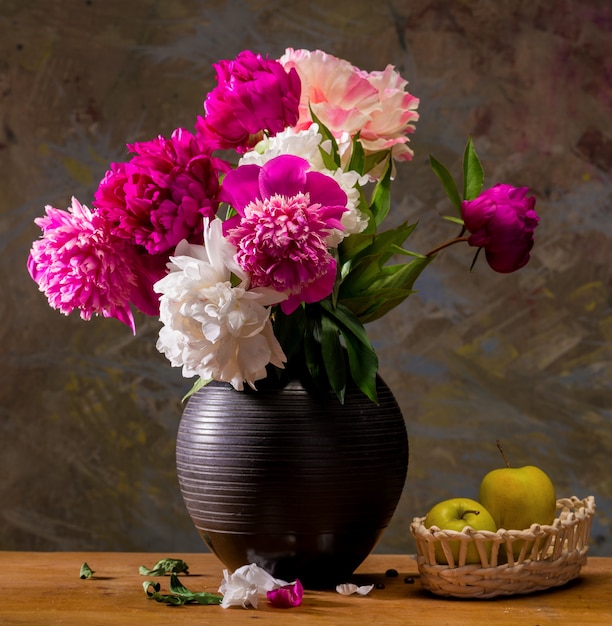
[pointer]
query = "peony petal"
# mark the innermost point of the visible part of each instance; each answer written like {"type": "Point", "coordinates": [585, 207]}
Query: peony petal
{"type": "Point", "coordinates": [284, 175]}
{"type": "Point", "coordinates": [325, 190]}
{"type": "Point", "coordinates": [347, 589]}
{"type": "Point", "coordinates": [241, 186]}
{"type": "Point", "coordinates": [286, 596]}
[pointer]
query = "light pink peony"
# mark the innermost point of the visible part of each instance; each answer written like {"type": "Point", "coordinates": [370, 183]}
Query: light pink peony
{"type": "Point", "coordinates": [79, 264]}
{"type": "Point", "coordinates": [162, 194]}
{"type": "Point", "coordinates": [285, 215]}
{"type": "Point", "coordinates": [253, 94]}
{"type": "Point", "coordinates": [348, 100]}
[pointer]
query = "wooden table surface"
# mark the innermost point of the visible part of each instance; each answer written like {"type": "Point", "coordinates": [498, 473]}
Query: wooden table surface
{"type": "Point", "coordinates": [44, 588]}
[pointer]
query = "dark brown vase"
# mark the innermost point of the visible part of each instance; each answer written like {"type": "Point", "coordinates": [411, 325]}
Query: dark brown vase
{"type": "Point", "coordinates": [302, 487]}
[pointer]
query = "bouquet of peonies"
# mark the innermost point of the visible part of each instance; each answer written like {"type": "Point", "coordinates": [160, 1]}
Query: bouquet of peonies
{"type": "Point", "coordinates": [257, 238]}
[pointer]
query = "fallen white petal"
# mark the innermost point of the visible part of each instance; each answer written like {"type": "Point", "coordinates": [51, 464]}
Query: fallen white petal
{"type": "Point", "coordinates": [346, 589]}
{"type": "Point", "coordinates": [243, 587]}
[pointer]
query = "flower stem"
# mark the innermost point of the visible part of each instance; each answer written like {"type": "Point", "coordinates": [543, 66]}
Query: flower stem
{"type": "Point", "coordinates": [448, 243]}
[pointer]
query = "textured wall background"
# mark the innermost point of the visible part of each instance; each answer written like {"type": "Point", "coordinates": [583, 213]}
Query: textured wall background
{"type": "Point", "coordinates": [89, 413]}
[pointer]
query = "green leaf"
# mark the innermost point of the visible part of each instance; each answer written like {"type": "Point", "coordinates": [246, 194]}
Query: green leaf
{"type": "Point", "coordinates": [370, 307]}
{"type": "Point", "coordinates": [351, 247]}
{"type": "Point", "coordinates": [363, 362]}
{"type": "Point", "coordinates": [368, 262]}
{"type": "Point", "coordinates": [86, 571]}
{"type": "Point", "coordinates": [381, 198]}
{"type": "Point", "coordinates": [327, 135]}
{"type": "Point", "coordinates": [357, 162]}
{"type": "Point", "coordinates": [447, 182]}
{"type": "Point", "coordinates": [346, 320]}
{"type": "Point", "coordinates": [151, 590]}
{"type": "Point", "coordinates": [373, 159]}
{"type": "Point", "coordinates": [289, 330]}
{"type": "Point", "coordinates": [201, 597]}
{"type": "Point", "coordinates": [312, 348]}
{"type": "Point", "coordinates": [379, 293]}
{"type": "Point", "coordinates": [230, 211]}
{"type": "Point", "coordinates": [165, 566]}
{"type": "Point", "coordinates": [329, 161]}
{"type": "Point", "coordinates": [364, 250]}
{"type": "Point", "coordinates": [473, 174]}
{"type": "Point", "coordinates": [179, 594]}
{"type": "Point", "coordinates": [452, 218]}
{"type": "Point", "coordinates": [199, 383]}
{"type": "Point", "coordinates": [333, 356]}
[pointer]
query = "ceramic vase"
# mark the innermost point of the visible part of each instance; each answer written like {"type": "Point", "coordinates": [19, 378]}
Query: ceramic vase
{"type": "Point", "coordinates": [301, 485]}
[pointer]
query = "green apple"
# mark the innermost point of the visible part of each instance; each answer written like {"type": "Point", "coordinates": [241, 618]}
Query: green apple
{"type": "Point", "coordinates": [518, 497]}
{"type": "Point", "coordinates": [456, 514]}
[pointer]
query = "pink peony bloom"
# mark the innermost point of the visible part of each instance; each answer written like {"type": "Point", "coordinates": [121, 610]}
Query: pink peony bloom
{"type": "Point", "coordinates": [285, 214]}
{"type": "Point", "coordinates": [287, 596]}
{"type": "Point", "coordinates": [502, 220]}
{"type": "Point", "coordinates": [79, 264]}
{"type": "Point", "coordinates": [253, 94]}
{"type": "Point", "coordinates": [162, 194]}
{"type": "Point", "coordinates": [348, 100]}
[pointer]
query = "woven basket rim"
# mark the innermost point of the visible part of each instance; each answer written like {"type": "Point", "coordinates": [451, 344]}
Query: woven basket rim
{"type": "Point", "coordinates": [575, 510]}
{"type": "Point", "coordinates": [550, 555]}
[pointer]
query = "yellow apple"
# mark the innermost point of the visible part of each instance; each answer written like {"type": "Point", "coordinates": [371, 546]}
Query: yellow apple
{"type": "Point", "coordinates": [456, 514]}
{"type": "Point", "coordinates": [518, 497]}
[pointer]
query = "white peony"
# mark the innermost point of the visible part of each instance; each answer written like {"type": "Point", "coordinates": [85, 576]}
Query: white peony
{"type": "Point", "coordinates": [212, 328]}
{"type": "Point", "coordinates": [304, 143]}
{"type": "Point", "coordinates": [353, 220]}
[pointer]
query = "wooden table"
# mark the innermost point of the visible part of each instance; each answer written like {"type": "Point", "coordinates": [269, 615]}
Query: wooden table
{"type": "Point", "coordinates": [39, 588]}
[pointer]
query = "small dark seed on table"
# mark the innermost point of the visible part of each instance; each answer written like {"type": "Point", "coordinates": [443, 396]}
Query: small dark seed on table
{"type": "Point", "coordinates": [391, 573]}
{"type": "Point", "coordinates": [380, 586]}
{"type": "Point", "coordinates": [409, 580]}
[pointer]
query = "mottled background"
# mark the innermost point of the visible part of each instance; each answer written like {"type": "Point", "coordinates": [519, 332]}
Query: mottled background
{"type": "Point", "coordinates": [89, 413]}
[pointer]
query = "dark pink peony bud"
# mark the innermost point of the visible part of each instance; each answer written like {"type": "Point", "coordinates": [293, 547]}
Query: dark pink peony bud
{"type": "Point", "coordinates": [502, 220]}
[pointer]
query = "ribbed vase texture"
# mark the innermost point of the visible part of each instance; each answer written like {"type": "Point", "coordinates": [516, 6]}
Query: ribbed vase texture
{"type": "Point", "coordinates": [297, 485]}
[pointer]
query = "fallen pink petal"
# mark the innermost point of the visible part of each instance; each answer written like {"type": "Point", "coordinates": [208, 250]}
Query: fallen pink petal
{"type": "Point", "coordinates": [286, 597]}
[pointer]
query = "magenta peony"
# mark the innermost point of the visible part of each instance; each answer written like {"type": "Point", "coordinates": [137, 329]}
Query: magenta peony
{"type": "Point", "coordinates": [253, 94]}
{"type": "Point", "coordinates": [79, 264]}
{"type": "Point", "coordinates": [162, 194]}
{"type": "Point", "coordinates": [285, 215]}
{"type": "Point", "coordinates": [502, 220]}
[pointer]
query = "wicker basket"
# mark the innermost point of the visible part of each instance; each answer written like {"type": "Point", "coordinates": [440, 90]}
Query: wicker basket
{"type": "Point", "coordinates": [549, 556]}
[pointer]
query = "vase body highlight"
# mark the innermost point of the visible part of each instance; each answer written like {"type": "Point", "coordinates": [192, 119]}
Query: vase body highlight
{"type": "Point", "coordinates": [299, 485]}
